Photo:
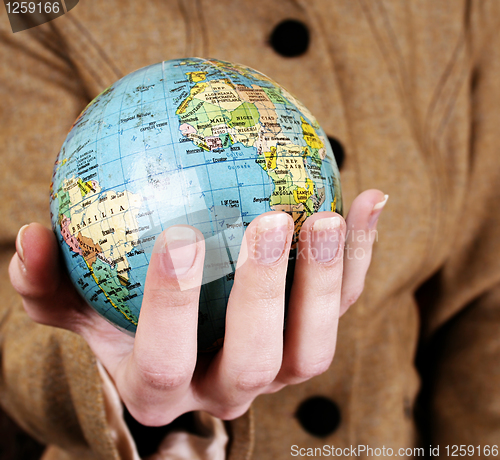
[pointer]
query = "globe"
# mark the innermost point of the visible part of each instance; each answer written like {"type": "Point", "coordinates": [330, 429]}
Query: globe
{"type": "Point", "coordinates": [197, 142]}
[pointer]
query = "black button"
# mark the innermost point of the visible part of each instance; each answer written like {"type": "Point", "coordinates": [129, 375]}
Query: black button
{"type": "Point", "coordinates": [319, 416]}
{"type": "Point", "coordinates": [290, 38]}
{"type": "Point", "coordinates": [338, 151]}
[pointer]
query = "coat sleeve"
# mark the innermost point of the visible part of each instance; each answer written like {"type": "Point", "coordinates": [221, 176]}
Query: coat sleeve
{"type": "Point", "coordinates": [49, 381]}
{"type": "Point", "coordinates": [462, 384]}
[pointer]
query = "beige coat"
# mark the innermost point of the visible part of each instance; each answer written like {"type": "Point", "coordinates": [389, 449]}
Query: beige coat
{"type": "Point", "coordinates": [411, 90]}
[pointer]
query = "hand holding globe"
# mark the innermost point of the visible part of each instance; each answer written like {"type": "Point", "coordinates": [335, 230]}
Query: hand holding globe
{"type": "Point", "coordinates": [193, 142]}
{"type": "Point", "coordinates": [120, 212]}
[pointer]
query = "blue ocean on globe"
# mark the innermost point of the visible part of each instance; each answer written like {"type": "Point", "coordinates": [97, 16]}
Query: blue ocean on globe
{"type": "Point", "coordinates": [198, 142]}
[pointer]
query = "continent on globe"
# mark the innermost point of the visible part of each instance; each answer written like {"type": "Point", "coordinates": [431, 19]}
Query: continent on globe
{"type": "Point", "coordinates": [81, 206]}
{"type": "Point", "coordinates": [191, 141]}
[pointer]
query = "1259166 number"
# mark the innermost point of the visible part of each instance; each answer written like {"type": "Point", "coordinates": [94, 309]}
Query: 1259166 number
{"type": "Point", "coordinates": [32, 7]}
{"type": "Point", "coordinates": [464, 450]}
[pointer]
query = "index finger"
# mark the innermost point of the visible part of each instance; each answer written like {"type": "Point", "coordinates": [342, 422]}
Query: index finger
{"type": "Point", "coordinates": [157, 374]}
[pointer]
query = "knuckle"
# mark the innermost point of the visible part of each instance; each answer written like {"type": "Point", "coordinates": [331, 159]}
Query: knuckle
{"type": "Point", "coordinates": [230, 413]}
{"type": "Point", "coordinates": [305, 371]}
{"type": "Point", "coordinates": [172, 298]}
{"type": "Point", "coordinates": [150, 417]}
{"type": "Point", "coordinates": [326, 283]}
{"type": "Point", "coordinates": [267, 293]}
{"type": "Point", "coordinates": [268, 283]}
{"type": "Point", "coordinates": [251, 381]}
{"type": "Point", "coordinates": [166, 380]}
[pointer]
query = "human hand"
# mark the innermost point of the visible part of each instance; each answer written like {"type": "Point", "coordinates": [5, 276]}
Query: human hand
{"type": "Point", "coordinates": [159, 374]}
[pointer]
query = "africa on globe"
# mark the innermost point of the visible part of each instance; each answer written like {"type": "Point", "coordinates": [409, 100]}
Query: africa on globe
{"type": "Point", "coordinates": [191, 141]}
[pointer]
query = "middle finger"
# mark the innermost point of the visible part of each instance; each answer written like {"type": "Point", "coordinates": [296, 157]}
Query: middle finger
{"type": "Point", "coordinates": [253, 345]}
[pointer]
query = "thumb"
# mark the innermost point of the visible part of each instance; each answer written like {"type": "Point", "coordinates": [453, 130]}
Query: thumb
{"type": "Point", "coordinates": [36, 274]}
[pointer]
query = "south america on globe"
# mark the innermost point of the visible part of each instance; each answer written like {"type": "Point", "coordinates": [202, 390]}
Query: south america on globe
{"type": "Point", "coordinates": [191, 141]}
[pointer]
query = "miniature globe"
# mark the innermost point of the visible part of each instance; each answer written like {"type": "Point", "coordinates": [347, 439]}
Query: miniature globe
{"type": "Point", "coordinates": [197, 142]}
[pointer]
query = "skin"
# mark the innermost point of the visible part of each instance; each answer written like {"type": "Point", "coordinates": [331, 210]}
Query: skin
{"type": "Point", "coordinates": [159, 374]}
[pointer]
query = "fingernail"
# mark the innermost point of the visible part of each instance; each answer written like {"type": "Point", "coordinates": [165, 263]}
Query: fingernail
{"type": "Point", "coordinates": [19, 242]}
{"type": "Point", "coordinates": [271, 237]}
{"type": "Point", "coordinates": [181, 247]}
{"type": "Point", "coordinates": [375, 214]}
{"type": "Point", "coordinates": [325, 237]}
